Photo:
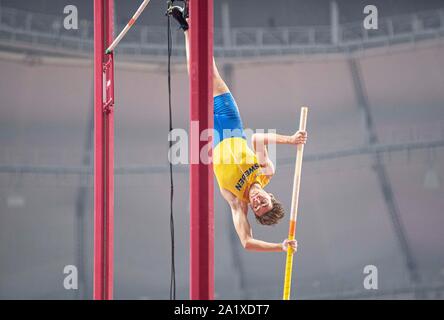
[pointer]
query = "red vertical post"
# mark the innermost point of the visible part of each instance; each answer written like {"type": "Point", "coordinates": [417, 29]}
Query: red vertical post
{"type": "Point", "coordinates": [109, 151]}
{"type": "Point", "coordinates": [201, 173]}
{"type": "Point", "coordinates": [103, 151]}
{"type": "Point", "coordinates": [98, 149]}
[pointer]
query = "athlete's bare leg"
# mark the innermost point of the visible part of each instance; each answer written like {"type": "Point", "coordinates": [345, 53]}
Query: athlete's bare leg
{"type": "Point", "coordinates": [219, 85]}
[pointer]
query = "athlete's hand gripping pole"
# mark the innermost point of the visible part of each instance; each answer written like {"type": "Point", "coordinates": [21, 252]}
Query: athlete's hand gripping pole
{"type": "Point", "coordinates": [294, 206]}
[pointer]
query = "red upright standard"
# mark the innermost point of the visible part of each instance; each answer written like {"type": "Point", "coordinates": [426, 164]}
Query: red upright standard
{"type": "Point", "coordinates": [201, 174]}
{"type": "Point", "coordinates": [103, 150]}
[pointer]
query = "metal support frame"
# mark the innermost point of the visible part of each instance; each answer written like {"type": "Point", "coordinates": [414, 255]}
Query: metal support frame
{"type": "Point", "coordinates": [201, 173]}
{"type": "Point", "coordinates": [103, 151]}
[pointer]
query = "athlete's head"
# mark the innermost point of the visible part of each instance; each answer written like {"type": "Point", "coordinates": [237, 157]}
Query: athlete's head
{"type": "Point", "coordinates": [266, 208]}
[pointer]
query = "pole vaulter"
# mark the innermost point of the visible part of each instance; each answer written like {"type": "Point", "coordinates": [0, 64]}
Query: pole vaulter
{"type": "Point", "coordinates": [212, 107]}
{"type": "Point", "coordinates": [242, 173]}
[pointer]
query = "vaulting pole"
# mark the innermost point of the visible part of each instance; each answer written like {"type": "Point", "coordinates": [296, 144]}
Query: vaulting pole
{"type": "Point", "coordinates": [201, 172]}
{"type": "Point", "coordinates": [294, 206]}
{"type": "Point", "coordinates": [103, 151]}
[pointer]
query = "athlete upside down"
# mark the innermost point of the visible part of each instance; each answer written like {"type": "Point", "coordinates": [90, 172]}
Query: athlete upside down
{"type": "Point", "coordinates": [243, 173]}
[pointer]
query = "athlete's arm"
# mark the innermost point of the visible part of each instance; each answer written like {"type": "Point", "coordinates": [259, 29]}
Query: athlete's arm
{"type": "Point", "coordinates": [239, 212]}
{"type": "Point", "coordinates": [264, 139]}
{"type": "Point", "coordinates": [261, 140]}
{"type": "Point", "coordinates": [243, 229]}
{"type": "Point", "coordinates": [261, 152]}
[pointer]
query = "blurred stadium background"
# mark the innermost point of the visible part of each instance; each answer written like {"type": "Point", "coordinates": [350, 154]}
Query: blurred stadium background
{"type": "Point", "coordinates": [372, 190]}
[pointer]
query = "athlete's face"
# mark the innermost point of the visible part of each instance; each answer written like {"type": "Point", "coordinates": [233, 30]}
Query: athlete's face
{"type": "Point", "coordinates": [260, 202]}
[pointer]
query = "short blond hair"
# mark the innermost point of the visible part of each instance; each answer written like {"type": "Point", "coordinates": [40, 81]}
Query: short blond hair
{"type": "Point", "coordinates": [273, 216]}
